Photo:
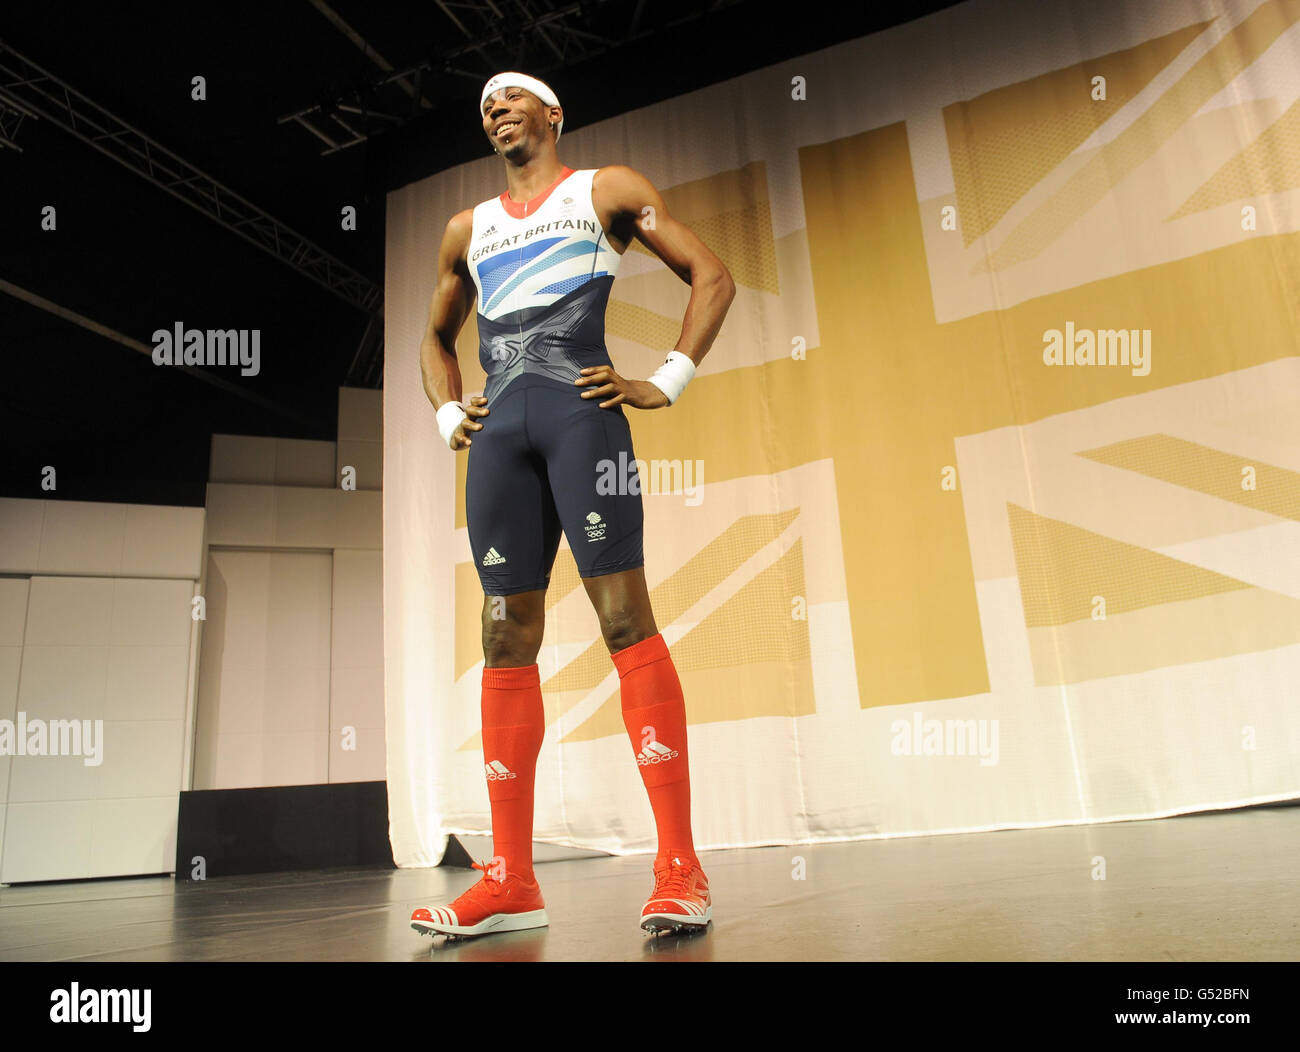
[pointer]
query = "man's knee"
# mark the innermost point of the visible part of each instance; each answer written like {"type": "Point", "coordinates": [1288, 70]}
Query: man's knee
{"type": "Point", "coordinates": [624, 626]}
{"type": "Point", "coordinates": [512, 631]}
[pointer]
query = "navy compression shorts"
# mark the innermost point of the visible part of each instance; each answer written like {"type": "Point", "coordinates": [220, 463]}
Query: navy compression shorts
{"type": "Point", "coordinates": [546, 461]}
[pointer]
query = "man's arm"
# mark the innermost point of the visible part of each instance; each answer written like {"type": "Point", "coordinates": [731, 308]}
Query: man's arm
{"type": "Point", "coordinates": [453, 298]}
{"type": "Point", "coordinates": [636, 209]}
{"type": "Point", "coordinates": [639, 208]}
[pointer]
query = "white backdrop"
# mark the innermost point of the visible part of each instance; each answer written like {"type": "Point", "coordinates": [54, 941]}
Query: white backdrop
{"type": "Point", "coordinates": [1075, 730]}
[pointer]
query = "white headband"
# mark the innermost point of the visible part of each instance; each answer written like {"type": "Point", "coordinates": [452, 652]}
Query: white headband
{"type": "Point", "coordinates": [522, 80]}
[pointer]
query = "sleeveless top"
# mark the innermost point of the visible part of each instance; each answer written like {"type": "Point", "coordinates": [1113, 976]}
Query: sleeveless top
{"type": "Point", "coordinates": [543, 271]}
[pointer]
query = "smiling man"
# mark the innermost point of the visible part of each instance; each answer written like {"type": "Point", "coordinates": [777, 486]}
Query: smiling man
{"type": "Point", "coordinates": [540, 259]}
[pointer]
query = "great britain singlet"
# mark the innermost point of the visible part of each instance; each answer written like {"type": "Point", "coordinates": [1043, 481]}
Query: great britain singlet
{"type": "Point", "coordinates": [547, 462]}
{"type": "Point", "coordinates": [543, 270]}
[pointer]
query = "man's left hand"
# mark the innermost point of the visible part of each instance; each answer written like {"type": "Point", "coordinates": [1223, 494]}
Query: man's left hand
{"type": "Point", "coordinates": [639, 394]}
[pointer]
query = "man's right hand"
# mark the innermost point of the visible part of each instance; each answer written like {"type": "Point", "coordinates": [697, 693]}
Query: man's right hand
{"type": "Point", "coordinates": [476, 409]}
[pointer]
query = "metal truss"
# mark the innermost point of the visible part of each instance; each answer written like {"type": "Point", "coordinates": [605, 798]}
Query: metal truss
{"type": "Point", "coordinates": [32, 91]}
{"type": "Point", "coordinates": [490, 35]}
{"type": "Point", "coordinates": [367, 364]}
{"type": "Point", "coordinates": [12, 116]}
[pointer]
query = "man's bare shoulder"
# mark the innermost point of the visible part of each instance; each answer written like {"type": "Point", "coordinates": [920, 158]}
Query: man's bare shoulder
{"type": "Point", "coordinates": [461, 224]}
{"type": "Point", "coordinates": [622, 190]}
{"type": "Point", "coordinates": [618, 177]}
{"type": "Point", "coordinates": [456, 237]}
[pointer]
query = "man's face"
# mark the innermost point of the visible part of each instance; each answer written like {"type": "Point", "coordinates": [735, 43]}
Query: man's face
{"type": "Point", "coordinates": [512, 115]}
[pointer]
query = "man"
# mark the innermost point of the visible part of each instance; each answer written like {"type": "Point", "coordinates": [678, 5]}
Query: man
{"type": "Point", "coordinates": [541, 259]}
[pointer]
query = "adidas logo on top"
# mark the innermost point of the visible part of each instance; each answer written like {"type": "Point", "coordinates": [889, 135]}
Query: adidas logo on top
{"type": "Point", "coordinates": [493, 557]}
{"type": "Point", "coordinates": [655, 752]}
{"type": "Point", "coordinates": [498, 772]}
{"type": "Point", "coordinates": [490, 230]}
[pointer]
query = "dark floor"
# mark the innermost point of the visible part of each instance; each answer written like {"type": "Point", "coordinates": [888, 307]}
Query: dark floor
{"type": "Point", "coordinates": [1214, 887]}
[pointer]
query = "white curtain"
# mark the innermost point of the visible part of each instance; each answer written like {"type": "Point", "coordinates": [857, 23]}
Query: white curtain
{"type": "Point", "coordinates": [930, 583]}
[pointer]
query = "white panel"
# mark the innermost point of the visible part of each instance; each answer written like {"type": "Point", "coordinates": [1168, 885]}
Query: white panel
{"type": "Point", "coordinates": [299, 697]}
{"type": "Point", "coordinates": [367, 763]}
{"type": "Point", "coordinates": [71, 671]}
{"type": "Point", "coordinates": [361, 414]}
{"type": "Point", "coordinates": [359, 582]}
{"type": "Point", "coordinates": [151, 612]}
{"type": "Point", "coordinates": [141, 758]}
{"type": "Point", "coordinates": [264, 675]}
{"type": "Point", "coordinates": [238, 607]}
{"type": "Point", "coordinates": [47, 841]}
{"type": "Point", "coordinates": [20, 534]}
{"type": "Point", "coordinates": [46, 778]}
{"type": "Point", "coordinates": [357, 692]}
{"type": "Point", "coordinates": [240, 515]}
{"type": "Point", "coordinates": [146, 683]}
{"type": "Point", "coordinates": [299, 462]}
{"type": "Point", "coordinates": [84, 538]}
{"type": "Point", "coordinates": [63, 683]}
{"type": "Point", "coordinates": [209, 711]}
{"type": "Point", "coordinates": [358, 636]}
{"type": "Point", "coordinates": [321, 518]}
{"type": "Point", "coordinates": [245, 761]}
{"type": "Point", "coordinates": [11, 659]}
{"type": "Point", "coordinates": [162, 541]}
{"type": "Point", "coordinates": [13, 609]}
{"type": "Point", "coordinates": [366, 459]}
{"type": "Point", "coordinates": [358, 609]}
{"type": "Point", "coordinates": [69, 610]}
{"type": "Point", "coordinates": [60, 683]}
{"type": "Point", "coordinates": [357, 697]}
{"type": "Point", "coordinates": [133, 836]}
{"type": "Point", "coordinates": [232, 654]}
{"type": "Point", "coordinates": [298, 632]}
{"type": "Point", "coordinates": [242, 458]}
{"type": "Point", "coordinates": [293, 517]}
{"type": "Point", "coordinates": [233, 701]}
{"type": "Point", "coordinates": [282, 696]}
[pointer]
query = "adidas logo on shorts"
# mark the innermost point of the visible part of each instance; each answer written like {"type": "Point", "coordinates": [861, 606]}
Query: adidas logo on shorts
{"type": "Point", "coordinates": [655, 752]}
{"type": "Point", "coordinates": [498, 772]}
{"type": "Point", "coordinates": [493, 557]}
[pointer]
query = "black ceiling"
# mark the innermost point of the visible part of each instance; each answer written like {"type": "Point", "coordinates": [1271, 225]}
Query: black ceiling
{"type": "Point", "coordinates": [128, 256]}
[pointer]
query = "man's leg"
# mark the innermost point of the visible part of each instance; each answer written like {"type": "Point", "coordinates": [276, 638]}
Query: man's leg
{"type": "Point", "coordinates": [654, 709]}
{"type": "Point", "coordinates": [513, 727]}
{"type": "Point", "coordinates": [514, 532]}
{"type": "Point", "coordinates": [513, 721]}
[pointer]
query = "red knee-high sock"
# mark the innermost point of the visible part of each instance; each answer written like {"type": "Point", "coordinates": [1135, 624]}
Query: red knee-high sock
{"type": "Point", "coordinates": [654, 713]}
{"type": "Point", "coordinates": [514, 725]}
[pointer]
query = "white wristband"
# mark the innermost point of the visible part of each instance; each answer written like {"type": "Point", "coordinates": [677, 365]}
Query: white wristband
{"type": "Point", "coordinates": [450, 414]}
{"type": "Point", "coordinates": [673, 376]}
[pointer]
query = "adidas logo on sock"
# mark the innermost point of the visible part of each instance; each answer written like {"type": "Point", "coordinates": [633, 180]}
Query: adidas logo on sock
{"type": "Point", "coordinates": [498, 772]}
{"type": "Point", "coordinates": [655, 752]}
{"type": "Point", "coordinates": [493, 557]}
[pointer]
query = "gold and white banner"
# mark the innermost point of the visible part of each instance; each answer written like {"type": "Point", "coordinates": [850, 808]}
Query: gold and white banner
{"type": "Point", "coordinates": [984, 510]}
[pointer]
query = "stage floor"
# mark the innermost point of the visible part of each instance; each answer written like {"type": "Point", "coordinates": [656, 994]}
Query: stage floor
{"type": "Point", "coordinates": [1210, 887]}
